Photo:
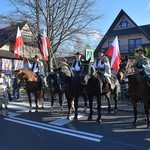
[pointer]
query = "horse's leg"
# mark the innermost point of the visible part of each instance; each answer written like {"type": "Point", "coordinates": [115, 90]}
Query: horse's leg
{"type": "Point", "coordinates": [147, 114]}
{"type": "Point", "coordinates": [36, 100]}
{"type": "Point", "coordinates": [69, 103]}
{"type": "Point", "coordinates": [1, 109]}
{"type": "Point", "coordinates": [85, 101]}
{"type": "Point", "coordinates": [135, 112]}
{"type": "Point", "coordinates": [30, 101]}
{"type": "Point", "coordinates": [60, 102]}
{"type": "Point", "coordinates": [41, 97]}
{"type": "Point", "coordinates": [98, 108]}
{"type": "Point", "coordinates": [108, 101]}
{"type": "Point", "coordinates": [52, 103]}
{"type": "Point", "coordinates": [90, 97]}
{"type": "Point", "coordinates": [115, 97]}
{"type": "Point", "coordinates": [76, 107]}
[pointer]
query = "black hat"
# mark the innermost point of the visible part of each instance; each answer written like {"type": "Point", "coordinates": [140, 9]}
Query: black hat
{"type": "Point", "coordinates": [140, 49]}
{"type": "Point", "coordinates": [101, 50]}
{"type": "Point", "coordinates": [36, 56]}
{"type": "Point", "coordinates": [78, 53]}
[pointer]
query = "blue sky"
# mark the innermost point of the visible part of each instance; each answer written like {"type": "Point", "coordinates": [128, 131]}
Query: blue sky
{"type": "Point", "coordinates": [138, 10]}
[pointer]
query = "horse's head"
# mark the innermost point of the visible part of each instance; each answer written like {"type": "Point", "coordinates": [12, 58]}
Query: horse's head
{"type": "Point", "coordinates": [25, 75]}
{"type": "Point", "coordinates": [53, 80]}
{"type": "Point", "coordinates": [86, 71]}
{"type": "Point", "coordinates": [125, 67]}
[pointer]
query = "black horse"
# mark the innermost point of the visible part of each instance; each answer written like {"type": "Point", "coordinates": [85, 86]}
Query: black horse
{"type": "Point", "coordinates": [96, 87]}
{"type": "Point", "coordinates": [73, 90]}
{"type": "Point", "coordinates": [54, 84]}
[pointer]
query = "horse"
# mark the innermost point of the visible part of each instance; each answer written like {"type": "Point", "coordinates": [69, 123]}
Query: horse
{"type": "Point", "coordinates": [138, 90]}
{"type": "Point", "coordinates": [73, 90]}
{"type": "Point", "coordinates": [53, 80]}
{"type": "Point", "coordinates": [95, 87]}
{"type": "Point", "coordinates": [4, 98]}
{"type": "Point", "coordinates": [32, 85]}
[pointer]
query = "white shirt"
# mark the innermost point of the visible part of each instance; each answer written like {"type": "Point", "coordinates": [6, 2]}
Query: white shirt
{"type": "Point", "coordinates": [36, 67]}
{"type": "Point", "coordinates": [99, 65]}
{"type": "Point", "coordinates": [77, 67]}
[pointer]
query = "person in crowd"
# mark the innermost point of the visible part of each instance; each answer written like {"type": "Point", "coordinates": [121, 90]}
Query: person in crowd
{"type": "Point", "coordinates": [76, 63]}
{"type": "Point", "coordinates": [16, 87]}
{"type": "Point", "coordinates": [4, 81]}
{"type": "Point", "coordinates": [38, 67]}
{"type": "Point", "coordinates": [102, 65]}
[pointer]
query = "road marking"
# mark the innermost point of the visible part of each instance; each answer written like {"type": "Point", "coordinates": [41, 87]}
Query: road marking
{"type": "Point", "coordinates": [74, 133]}
{"type": "Point", "coordinates": [64, 120]}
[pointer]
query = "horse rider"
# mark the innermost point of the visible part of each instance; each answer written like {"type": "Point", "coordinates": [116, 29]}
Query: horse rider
{"type": "Point", "coordinates": [76, 65]}
{"type": "Point", "coordinates": [65, 74]}
{"type": "Point", "coordinates": [102, 65]}
{"type": "Point", "coordinates": [142, 63]}
{"type": "Point", "coordinates": [38, 67]}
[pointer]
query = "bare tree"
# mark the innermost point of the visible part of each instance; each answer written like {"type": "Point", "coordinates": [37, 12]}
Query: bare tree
{"type": "Point", "coordinates": [62, 19]}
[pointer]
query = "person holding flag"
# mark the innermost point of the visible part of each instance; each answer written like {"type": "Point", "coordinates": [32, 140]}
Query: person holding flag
{"type": "Point", "coordinates": [102, 66]}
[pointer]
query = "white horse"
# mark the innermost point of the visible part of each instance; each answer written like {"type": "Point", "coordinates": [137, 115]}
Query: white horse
{"type": "Point", "coordinates": [3, 98]}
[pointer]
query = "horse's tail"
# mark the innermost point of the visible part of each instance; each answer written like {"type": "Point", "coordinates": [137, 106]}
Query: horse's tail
{"type": "Point", "coordinates": [149, 103]}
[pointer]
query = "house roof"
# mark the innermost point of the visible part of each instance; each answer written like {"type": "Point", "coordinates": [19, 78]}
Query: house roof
{"type": "Point", "coordinates": [112, 33]}
{"type": "Point", "coordinates": [8, 33]}
{"type": "Point", "coordinates": [6, 54]}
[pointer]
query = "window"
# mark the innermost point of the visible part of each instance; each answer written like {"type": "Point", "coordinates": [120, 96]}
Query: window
{"type": "Point", "coordinates": [123, 24]}
{"type": "Point", "coordinates": [133, 44]}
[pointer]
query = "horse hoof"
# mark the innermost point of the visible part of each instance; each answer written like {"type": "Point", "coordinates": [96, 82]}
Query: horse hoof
{"type": "Point", "coordinates": [134, 125]}
{"type": "Point", "coordinates": [98, 120]}
{"type": "Point", "coordinates": [75, 118]}
{"type": "Point", "coordinates": [90, 118]}
{"type": "Point", "coordinates": [115, 111]}
{"type": "Point", "coordinates": [68, 118]}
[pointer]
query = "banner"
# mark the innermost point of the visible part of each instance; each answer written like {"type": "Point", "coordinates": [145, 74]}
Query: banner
{"type": "Point", "coordinates": [6, 64]}
{"type": "Point", "coordinates": [18, 64]}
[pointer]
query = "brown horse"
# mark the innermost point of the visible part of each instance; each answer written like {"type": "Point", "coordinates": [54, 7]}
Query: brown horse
{"type": "Point", "coordinates": [32, 85]}
{"type": "Point", "coordinates": [138, 89]}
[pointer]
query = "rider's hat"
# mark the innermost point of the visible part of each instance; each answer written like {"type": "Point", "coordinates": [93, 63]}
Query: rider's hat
{"type": "Point", "coordinates": [101, 51]}
{"type": "Point", "coordinates": [36, 56]}
{"type": "Point", "coordinates": [77, 53]}
{"type": "Point", "coordinates": [140, 49]}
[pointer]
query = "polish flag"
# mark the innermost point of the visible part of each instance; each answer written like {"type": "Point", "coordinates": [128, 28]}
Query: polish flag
{"type": "Point", "coordinates": [18, 43]}
{"type": "Point", "coordinates": [45, 43]}
{"type": "Point", "coordinates": [114, 54]}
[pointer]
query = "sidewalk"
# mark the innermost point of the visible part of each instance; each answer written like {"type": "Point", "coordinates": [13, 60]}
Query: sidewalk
{"type": "Point", "coordinates": [125, 105]}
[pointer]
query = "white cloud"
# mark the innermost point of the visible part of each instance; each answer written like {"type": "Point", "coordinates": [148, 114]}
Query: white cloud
{"type": "Point", "coordinates": [148, 6]}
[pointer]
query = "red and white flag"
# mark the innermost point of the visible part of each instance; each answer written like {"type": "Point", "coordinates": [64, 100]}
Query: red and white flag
{"type": "Point", "coordinates": [18, 43]}
{"type": "Point", "coordinates": [44, 45]}
{"type": "Point", "coordinates": [113, 52]}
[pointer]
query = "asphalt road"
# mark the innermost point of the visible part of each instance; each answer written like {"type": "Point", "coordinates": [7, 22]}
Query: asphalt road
{"type": "Point", "coordinates": [21, 130]}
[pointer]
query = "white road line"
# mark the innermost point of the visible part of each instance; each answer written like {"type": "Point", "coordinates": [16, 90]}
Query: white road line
{"type": "Point", "coordinates": [64, 120]}
{"type": "Point", "coordinates": [74, 133]}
